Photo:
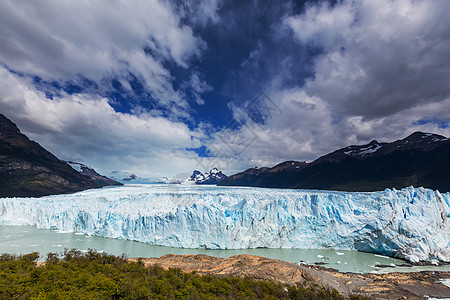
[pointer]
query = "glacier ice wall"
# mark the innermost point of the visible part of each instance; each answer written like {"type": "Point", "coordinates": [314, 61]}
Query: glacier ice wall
{"type": "Point", "coordinates": [412, 223]}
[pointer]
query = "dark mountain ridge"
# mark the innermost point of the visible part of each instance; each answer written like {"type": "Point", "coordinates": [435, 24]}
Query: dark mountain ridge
{"type": "Point", "coordinates": [28, 170]}
{"type": "Point", "coordinates": [421, 159]}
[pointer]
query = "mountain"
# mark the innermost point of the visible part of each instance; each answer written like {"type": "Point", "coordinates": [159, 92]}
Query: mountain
{"type": "Point", "coordinates": [28, 170]}
{"type": "Point", "coordinates": [123, 176]}
{"type": "Point", "coordinates": [421, 159]}
{"type": "Point", "coordinates": [212, 177]}
{"type": "Point", "coordinates": [127, 177]}
{"type": "Point", "coordinates": [168, 180]}
{"type": "Point", "coordinates": [196, 176]}
{"type": "Point", "coordinates": [89, 172]}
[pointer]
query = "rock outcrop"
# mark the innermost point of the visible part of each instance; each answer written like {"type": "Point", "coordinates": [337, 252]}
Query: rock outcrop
{"type": "Point", "coordinates": [415, 285]}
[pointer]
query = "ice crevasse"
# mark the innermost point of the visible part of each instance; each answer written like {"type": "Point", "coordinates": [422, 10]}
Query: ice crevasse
{"type": "Point", "coordinates": [412, 223]}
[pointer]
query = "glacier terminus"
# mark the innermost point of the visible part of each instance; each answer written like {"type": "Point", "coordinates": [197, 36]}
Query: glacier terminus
{"type": "Point", "coordinates": [412, 223]}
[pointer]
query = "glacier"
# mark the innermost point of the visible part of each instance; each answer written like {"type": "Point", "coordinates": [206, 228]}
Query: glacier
{"type": "Point", "coordinates": [412, 223]}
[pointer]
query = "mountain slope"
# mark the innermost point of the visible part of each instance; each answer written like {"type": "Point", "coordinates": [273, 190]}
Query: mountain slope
{"type": "Point", "coordinates": [91, 173]}
{"type": "Point", "coordinates": [27, 169]}
{"type": "Point", "coordinates": [421, 159]}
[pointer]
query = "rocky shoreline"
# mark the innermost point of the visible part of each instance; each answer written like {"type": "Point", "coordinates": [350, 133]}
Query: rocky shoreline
{"type": "Point", "coordinates": [414, 285]}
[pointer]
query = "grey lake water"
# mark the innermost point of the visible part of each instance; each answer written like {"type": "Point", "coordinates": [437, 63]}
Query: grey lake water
{"type": "Point", "coordinates": [27, 239]}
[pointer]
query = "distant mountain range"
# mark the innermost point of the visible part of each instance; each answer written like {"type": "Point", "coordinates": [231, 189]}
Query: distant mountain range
{"type": "Point", "coordinates": [123, 176]}
{"type": "Point", "coordinates": [131, 178]}
{"type": "Point", "coordinates": [28, 170]}
{"type": "Point", "coordinates": [421, 159]}
{"type": "Point", "coordinates": [90, 172]}
{"type": "Point", "coordinates": [212, 177]}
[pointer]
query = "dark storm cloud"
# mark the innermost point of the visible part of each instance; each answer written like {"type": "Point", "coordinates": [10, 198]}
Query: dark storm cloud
{"type": "Point", "coordinates": [379, 58]}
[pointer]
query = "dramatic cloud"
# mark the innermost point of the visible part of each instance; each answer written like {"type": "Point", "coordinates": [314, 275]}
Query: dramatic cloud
{"type": "Point", "coordinates": [265, 129]}
{"type": "Point", "coordinates": [161, 87]}
{"type": "Point", "coordinates": [380, 57]}
{"type": "Point", "coordinates": [86, 129]}
{"type": "Point", "coordinates": [99, 41]}
{"type": "Point", "coordinates": [379, 71]}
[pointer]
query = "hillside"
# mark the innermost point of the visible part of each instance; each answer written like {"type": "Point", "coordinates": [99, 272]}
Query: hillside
{"type": "Point", "coordinates": [421, 159]}
{"type": "Point", "coordinates": [29, 170]}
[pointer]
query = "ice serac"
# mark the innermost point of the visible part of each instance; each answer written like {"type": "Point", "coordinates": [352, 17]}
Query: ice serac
{"type": "Point", "coordinates": [412, 223]}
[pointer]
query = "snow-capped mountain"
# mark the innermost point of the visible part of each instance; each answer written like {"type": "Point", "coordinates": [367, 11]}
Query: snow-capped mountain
{"type": "Point", "coordinates": [169, 180]}
{"type": "Point", "coordinates": [418, 141]}
{"type": "Point", "coordinates": [412, 223]}
{"type": "Point", "coordinates": [123, 176]}
{"type": "Point", "coordinates": [90, 172]}
{"type": "Point", "coordinates": [212, 177]}
{"type": "Point", "coordinates": [128, 177]}
{"type": "Point", "coordinates": [363, 151]}
{"type": "Point", "coordinates": [196, 176]}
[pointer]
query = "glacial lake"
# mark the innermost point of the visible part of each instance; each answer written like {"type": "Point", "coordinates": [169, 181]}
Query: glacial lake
{"type": "Point", "coordinates": [26, 239]}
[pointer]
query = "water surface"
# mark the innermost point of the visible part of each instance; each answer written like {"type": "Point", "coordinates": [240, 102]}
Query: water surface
{"type": "Point", "coordinates": [26, 239]}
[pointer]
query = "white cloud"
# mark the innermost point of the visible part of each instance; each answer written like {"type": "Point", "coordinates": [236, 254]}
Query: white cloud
{"type": "Point", "coordinates": [198, 11]}
{"type": "Point", "coordinates": [322, 25]}
{"type": "Point", "coordinates": [296, 126]}
{"type": "Point", "coordinates": [87, 129]}
{"type": "Point", "coordinates": [197, 86]}
{"type": "Point", "coordinates": [102, 39]}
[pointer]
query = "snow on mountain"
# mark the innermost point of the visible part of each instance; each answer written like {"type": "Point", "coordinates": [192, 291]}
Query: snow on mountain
{"type": "Point", "coordinates": [412, 223]}
{"type": "Point", "coordinates": [128, 177]}
{"type": "Point", "coordinates": [211, 177]}
{"type": "Point", "coordinates": [196, 176]}
{"type": "Point", "coordinates": [168, 180]}
{"type": "Point", "coordinates": [75, 166]}
{"type": "Point", "coordinates": [82, 168]}
{"type": "Point", "coordinates": [123, 176]}
{"type": "Point", "coordinates": [364, 151]}
{"type": "Point", "coordinates": [90, 172]}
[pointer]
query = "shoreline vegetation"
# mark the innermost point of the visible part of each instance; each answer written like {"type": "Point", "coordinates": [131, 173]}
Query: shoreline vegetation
{"type": "Point", "coordinates": [95, 275]}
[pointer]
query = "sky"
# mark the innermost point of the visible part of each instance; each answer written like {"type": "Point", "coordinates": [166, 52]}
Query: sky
{"type": "Point", "coordinates": [161, 88]}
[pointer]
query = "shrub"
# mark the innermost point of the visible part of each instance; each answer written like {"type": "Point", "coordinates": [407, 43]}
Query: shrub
{"type": "Point", "coordinates": [95, 275]}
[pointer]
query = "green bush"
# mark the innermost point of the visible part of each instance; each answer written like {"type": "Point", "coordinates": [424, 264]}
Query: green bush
{"type": "Point", "coordinates": [96, 275]}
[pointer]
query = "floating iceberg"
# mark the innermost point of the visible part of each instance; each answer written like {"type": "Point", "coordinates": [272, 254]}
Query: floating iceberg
{"type": "Point", "coordinates": [412, 223]}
